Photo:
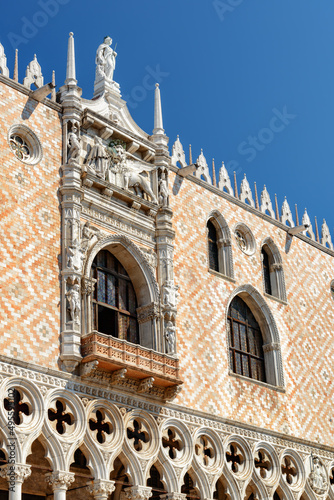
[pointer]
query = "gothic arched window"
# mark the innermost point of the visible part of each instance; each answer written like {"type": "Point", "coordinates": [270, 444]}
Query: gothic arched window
{"type": "Point", "coordinates": [272, 268]}
{"type": "Point", "coordinates": [213, 247]}
{"type": "Point", "coordinates": [114, 300]}
{"type": "Point", "coordinates": [246, 342]}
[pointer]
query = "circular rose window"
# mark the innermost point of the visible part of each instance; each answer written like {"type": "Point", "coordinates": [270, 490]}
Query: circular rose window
{"type": "Point", "coordinates": [245, 239]}
{"type": "Point", "coordinates": [24, 144]}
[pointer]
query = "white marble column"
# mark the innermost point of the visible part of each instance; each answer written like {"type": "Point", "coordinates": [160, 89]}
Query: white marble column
{"type": "Point", "coordinates": [101, 488]}
{"type": "Point", "coordinates": [138, 492]}
{"type": "Point", "coordinates": [15, 475]}
{"type": "Point", "coordinates": [59, 482]}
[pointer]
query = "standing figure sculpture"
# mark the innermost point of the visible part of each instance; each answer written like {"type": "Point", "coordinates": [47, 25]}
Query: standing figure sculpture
{"type": "Point", "coordinates": [74, 146]}
{"type": "Point", "coordinates": [163, 191]}
{"type": "Point", "coordinates": [98, 158]}
{"type": "Point", "coordinates": [105, 60]}
{"type": "Point", "coordinates": [73, 297]}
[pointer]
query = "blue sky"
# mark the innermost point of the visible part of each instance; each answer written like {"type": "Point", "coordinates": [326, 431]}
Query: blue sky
{"type": "Point", "coordinates": [249, 81]}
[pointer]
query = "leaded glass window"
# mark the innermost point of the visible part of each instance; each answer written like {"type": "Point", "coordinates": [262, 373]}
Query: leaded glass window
{"type": "Point", "coordinates": [213, 247]}
{"type": "Point", "coordinates": [114, 301]}
{"type": "Point", "coordinates": [246, 351]}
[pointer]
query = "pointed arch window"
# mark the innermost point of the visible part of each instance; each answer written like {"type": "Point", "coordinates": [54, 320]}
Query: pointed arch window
{"type": "Point", "coordinates": [246, 342]}
{"type": "Point", "coordinates": [272, 271]}
{"type": "Point", "coordinates": [219, 246]}
{"type": "Point", "coordinates": [114, 300]}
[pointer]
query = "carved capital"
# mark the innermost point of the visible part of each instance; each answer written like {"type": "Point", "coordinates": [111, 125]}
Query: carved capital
{"type": "Point", "coordinates": [89, 369]}
{"type": "Point", "coordinates": [60, 480]}
{"type": "Point", "coordinates": [277, 266]}
{"type": "Point", "coordinates": [15, 472]}
{"type": "Point", "coordinates": [274, 346]}
{"type": "Point", "coordinates": [223, 242]}
{"type": "Point", "coordinates": [88, 285]}
{"type": "Point", "coordinates": [101, 488]}
{"type": "Point", "coordinates": [148, 312]}
{"type": "Point", "coordinates": [174, 496]}
{"type": "Point", "coordinates": [138, 492]}
{"type": "Point", "coordinates": [172, 392]}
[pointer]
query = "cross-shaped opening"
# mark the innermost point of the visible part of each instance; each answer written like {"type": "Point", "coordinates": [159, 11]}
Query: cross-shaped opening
{"type": "Point", "coordinates": [172, 443]}
{"type": "Point", "coordinates": [288, 470]}
{"type": "Point", "coordinates": [263, 464]}
{"type": "Point", "coordinates": [60, 416]}
{"type": "Point", "coordinates": [137, 435]}
{"type": "Point", "coordinates": [234, 457]}
{"type": "Point", "coordinates": [204, 449]}
{"type": "Point", "coordinates": [101, 426]}
{"type": "Point", "coordinates": [14, 404]}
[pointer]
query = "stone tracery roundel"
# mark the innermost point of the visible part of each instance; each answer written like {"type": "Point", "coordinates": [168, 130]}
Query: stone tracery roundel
{"type": "Point", "coordinates": [293, 469]}
{"type": "Point", "coordinates": [141, 433]}
{"type": "Point", "coordinates": [238, 456]}
{"type": "Point", "coordinates": [65, 415]}
{"type": "Point", "coordinates": [176, 442]}
{"type": "Point", "coordinates": [208, 449]}
{"type": "Point", "coordinates": [25, 144]}
{"type": "Point", "coordinates": [105, 424]}
{"type": "Point", "coordinates": [266, 463]}
{"type": "Point", "coordinates": [22, 405]}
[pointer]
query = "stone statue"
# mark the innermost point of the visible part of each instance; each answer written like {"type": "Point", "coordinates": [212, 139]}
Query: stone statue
{"type": "Point", "coordinates": [98, 158]}
{"type": "Point", "coordinates": [74, 257]}
{"type": "Point", "coordinates": [163, 191]}
{"type": "Point", "coordinates": [318, 478]}
{"type": "Point", "coordinates": [170, 338]}
{"type": "Point", "coordinates": [105, 60]}
{"type": "Point", "coordinates": [74, 146]}
{"type": "Point", "coordinates": [169, 294]}
{"type": "Point", "coordinates": [73, 298]}
{"type": "Point", "coordinates": [88, 232]}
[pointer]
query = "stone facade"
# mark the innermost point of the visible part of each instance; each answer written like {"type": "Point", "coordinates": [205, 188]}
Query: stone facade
{"type": "Point", "coordinates": [91, 414]}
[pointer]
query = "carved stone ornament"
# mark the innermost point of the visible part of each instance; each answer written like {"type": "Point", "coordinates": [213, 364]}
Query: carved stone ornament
{"type": "Point", "coordinates": [163, 197]}
{"type": "Point", "coordinates": [105, 60]}
{"type": "Point", "coordinates": [202, 168]}
{"type": "Point", "coordinates": [101, 487]}
{"type": "Point", "coordinates": [145, 384]}
{"type": "Point", "coordinates": [286, 215]}
{"type": "Point", "coordinates": [88, 232]}
{"type": "Point", "coordinates": [138, 492]}
{"type": "Point", "coordinates": [245, 192]}
{"type": "Point", "coordinates": [3, 62]}
{"type": "Point", "coordinates": [169, 295]}
{"type": "Point", "coordinates": [224, 181]}
{"type": "Point", "coordinates": [151, 257]}
{"type": "Point", "coordinates": [33, 74]}
{"type": "Point", "coordinates": [306, 221]}
{"type": "Point", "coordinates": [98, 159]}
{"type": "Point", "coordinates": [266, 204]}
{"type": "Point", "coordinates": [20, 471]}
{"type": "Point", "coordinates": [169, 334]}
{"type": "Point", "coordinates": [326, 239]}
{"type": "Point", "coordinates": [147, 313]}
{"type": "Point", "coordinates": [178, 154]}
{"type": "Point", "coordinates": [171, 392]}
{"type": "Point", "coordinates": [174, 496]}
{"type": "Point", "coordinates": [74, 145]}
{"type": "Point", "coordinates": [318, 477]}
{"type": "Point", "coordinates": [60, 480]}
{"type": "Point", "coordinates": [88, 285]}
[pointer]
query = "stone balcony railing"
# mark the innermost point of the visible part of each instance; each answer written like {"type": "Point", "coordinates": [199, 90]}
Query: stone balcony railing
{"type": "Point", "coordinates": [140, 362]}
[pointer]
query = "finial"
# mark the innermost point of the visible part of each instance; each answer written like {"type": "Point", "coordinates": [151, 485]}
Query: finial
{"type": "Point", "coordinates": [53, 91]}
{"type": "Point", "coordinates": [316, 231]}
{"type": "Point", "coordinates": [276, 208]}
{"type": "Point", "coordinates": [201, 151]}
{"type": "Point", "coordinates": [177, 137]}
{"type": "Point", "coordinates": [297, 218]}
{"type": "Point", "coordinates": [214, 180]}
{"type": "Point", "coordinates": [16, 66]}
{"type": "Point", "coordinates": [158, 124]}
{"type": "Point", "coordinates": [256, 197]}
{"type": "Point", "coordinates": [70, 69]}
{"type": "Point", "coordinates": [235, 185]}
{"type": "Point", "coordinates": [190, 156]}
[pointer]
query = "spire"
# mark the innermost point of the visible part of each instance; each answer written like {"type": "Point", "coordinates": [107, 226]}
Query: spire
{"type": "Point", "coordinates": [214, 181]}
{"type": "Point", "coordinates": [190, 155]}
{"type": "Point", "coordinates": [70, 69]}
{"type": "Point", "coordinates": [297, 218]}
{"type": "Point", "coordinates": [158, 125]}
{"type": "Point", "coordinates": [235, 186]}
{"type": "Point", "coordinates": [53, 91]}
{"type": "Point", "coordinates": [316, 231]}
{"type": "Point", "coordinates": [276, 208]}
{"type": "Point", "coordinates": [16, 66]}
{"type": "Point", "coordinates": [256, 197]}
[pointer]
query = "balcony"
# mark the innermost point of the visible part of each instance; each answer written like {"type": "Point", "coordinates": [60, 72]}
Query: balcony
{"type": "Point", "coordinates": [114, 354]}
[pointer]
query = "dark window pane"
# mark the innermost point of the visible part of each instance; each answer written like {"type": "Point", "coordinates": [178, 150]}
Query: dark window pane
{"type": "Point", "coordinates": [132, 299]}
{"type": "Point", "coordinates": [123, 325]}
{"type": "Point", "coordinates": [122, 286]}
{"type": "Point", "coordinates": [213, 247]}
{"type": "Point", "coordinates": [245, 366]}
{"type": "Point", "coordinates": [238, 365]}
{"type": "Point", "coordinates": [101, 286]}
{"type": "Point", "coordinates": [133, 331]}
{"type": "Point", "coordinates": [236, 340]}
{"type": "Point", "coordinates": [111, 288]}
{"type": "Point", "coordinates": [266, 271]}
{"type": "Point", "coordinates": [243, 338]}
{"type": "Point", "coordinates": [106, 321]}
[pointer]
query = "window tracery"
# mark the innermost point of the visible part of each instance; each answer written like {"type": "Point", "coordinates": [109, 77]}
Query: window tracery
{"type": "Point", "coordinates": [219, 245]}
{"type": "Point", "coordinates": [272, 270]}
